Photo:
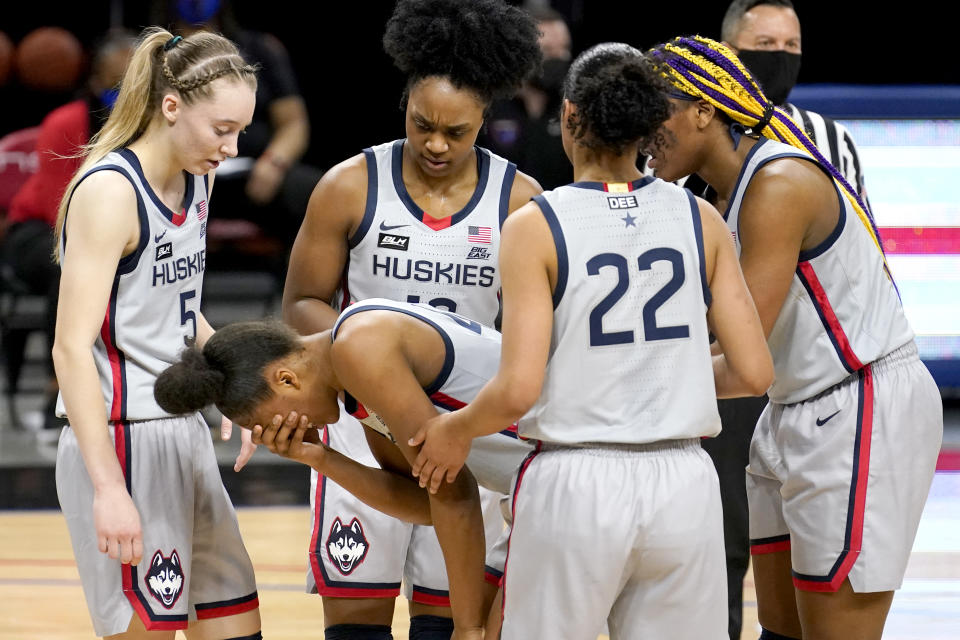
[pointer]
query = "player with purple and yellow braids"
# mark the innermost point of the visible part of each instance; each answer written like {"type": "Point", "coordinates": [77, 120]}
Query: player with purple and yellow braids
{"type": "Point", "coordinates": [851, 404]}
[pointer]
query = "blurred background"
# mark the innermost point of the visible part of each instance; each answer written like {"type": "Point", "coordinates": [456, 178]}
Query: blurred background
{"type": "Point", "coordinates": [880, 76]}
{"type": "Point", "coordinates": [887, 76]}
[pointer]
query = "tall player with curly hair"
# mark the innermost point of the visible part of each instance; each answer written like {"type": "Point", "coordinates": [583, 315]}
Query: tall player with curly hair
{"type": "Point", "coordinates": [843, 456]}
{"type": "Point", "coordinates": [415, 220]}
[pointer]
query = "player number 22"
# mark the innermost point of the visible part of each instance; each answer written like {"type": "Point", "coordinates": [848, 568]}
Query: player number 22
{"type": "Point", "coordinates": [651, 331]}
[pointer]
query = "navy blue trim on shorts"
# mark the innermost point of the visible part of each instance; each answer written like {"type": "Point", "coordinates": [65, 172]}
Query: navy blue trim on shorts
{"type": "Point", "coordinates": [370, 207]}
{"type": "Point", "coordinates": [483, 174]}
{"type": "Point", "coordinates": [226, 603]}
{"type": "Point", "coordinates": [563, 265]}
{"type": "Point", "coordinates": [131, 157]}
{"type": "Point", "coordinates": [770, 540]}
{"type": "Point", "coordinates": [698, 234]}
{"type": "Point", "coordinates": [431, 592]}
{"type": "Point", "coordinates": [508, 177]}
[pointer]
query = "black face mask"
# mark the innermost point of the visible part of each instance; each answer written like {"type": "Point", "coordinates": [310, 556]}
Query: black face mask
{"type": "Point", "coordinates": [554, 73]}
{"type": "Point", "coordinates": [776, 71]}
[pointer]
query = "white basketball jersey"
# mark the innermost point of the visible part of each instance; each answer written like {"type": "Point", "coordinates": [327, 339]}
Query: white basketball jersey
{"type": "Point", "coordinates": [402, 253]}
{"type": "Point", "coordinates": [472, 359]}
{"type": "Point", "coordinates": [630, 351]}
{"type": "Point", "coordinates": [155, 297]}
{"type": "Point", "coordinates": [842, 310]}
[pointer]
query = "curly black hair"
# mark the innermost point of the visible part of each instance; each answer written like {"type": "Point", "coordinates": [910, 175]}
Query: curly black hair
{"type": "Point", "coordinates": [488, 46]}
{"type": "Point", "coordinates": [228, 372]}
{"type": "Point", "coordinates": [620, 99]}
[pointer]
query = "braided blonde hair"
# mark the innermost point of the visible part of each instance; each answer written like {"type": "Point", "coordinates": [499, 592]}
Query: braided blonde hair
{"type": "Point", "coordinates": [160, 64]}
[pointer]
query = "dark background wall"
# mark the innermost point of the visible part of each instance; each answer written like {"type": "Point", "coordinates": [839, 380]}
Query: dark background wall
{"type": "Point", "coordinates": [353, 92]}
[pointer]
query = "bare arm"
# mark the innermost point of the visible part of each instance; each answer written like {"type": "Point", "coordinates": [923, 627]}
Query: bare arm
{"type": "Point", "coordinates": [291, 133]}
{"type": "Point", "coordinates": [98, 237]}
{"type": "Point", "coordinates": [528, 268]}
{"type": "Point", "coordinates": [789, 206]}
{"type": "Point", "coordinates": [392, 390]}
{"type": "Point", "coordinates": [745, 366]}
{"type": "Point", "coordinates": [320, 251]}
{"type": "Point", "coordinates": [395, 494]}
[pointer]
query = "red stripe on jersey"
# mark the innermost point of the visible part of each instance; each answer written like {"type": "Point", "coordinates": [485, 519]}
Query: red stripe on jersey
{"type": "Point", "coordinates": [443, 398]}
{"type": "Point", "coordinates": [430, 599]}
{"type": "Point", "coordinates": [921, 240]}
{"type": "Point", "coordinates": [116, 404]}
{"type": "Point", "coordinates": [437, 224]}
{"type": "Point", "coordinates": [821, 300]}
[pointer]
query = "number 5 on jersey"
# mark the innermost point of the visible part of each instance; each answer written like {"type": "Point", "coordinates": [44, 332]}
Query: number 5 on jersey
{"type": "Point", "coordinates": [188, 315]}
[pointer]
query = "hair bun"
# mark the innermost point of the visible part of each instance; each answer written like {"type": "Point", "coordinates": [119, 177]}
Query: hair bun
{"type": "Point", "coordinates": [189, 385]}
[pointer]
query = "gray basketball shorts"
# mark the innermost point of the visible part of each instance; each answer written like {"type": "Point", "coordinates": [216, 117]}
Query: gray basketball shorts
{"type": "Point", "coordinates": [840, 480]}
{"type": "Point", "coordinates": [357, 551]}
{"type": "Point", "coordinates": [194, 564]}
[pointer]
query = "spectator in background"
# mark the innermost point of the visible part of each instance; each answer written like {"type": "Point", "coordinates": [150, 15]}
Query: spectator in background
{"type": "Point", "coordinates": [25, 255]}
{"type": "Point", "coordinates": [526, 128]}
{"type": "Point", "coordinates": [267, 183]}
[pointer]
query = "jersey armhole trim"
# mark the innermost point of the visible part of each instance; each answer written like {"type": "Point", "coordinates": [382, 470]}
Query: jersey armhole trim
{"type": "Point", "coordinates": [369, 209]}
{"type": "Point", "coordinates": [509, 175]}
{"type": "Point", "coordinates": [563, 266]}
{"type": "Point", "coordinates": [698, 234]}
{"type": "Point", "coordinates": [127, 263]}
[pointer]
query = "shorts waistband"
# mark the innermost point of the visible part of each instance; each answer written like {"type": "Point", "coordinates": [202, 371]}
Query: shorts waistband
{"type": "Point", "coordinates": [900, 355]}
{"type": "Point", "coordinates": [619, 449]}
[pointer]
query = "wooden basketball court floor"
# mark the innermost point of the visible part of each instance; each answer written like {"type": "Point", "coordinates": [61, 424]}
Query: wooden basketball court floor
{"type": "Point", "coordinates": [41, 597]}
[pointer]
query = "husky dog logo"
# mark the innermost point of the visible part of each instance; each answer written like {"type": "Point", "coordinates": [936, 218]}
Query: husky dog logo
{"type": "Point", "coordinates": [165, 578]}
{"type": "Point", "coordinates": [347, 546]}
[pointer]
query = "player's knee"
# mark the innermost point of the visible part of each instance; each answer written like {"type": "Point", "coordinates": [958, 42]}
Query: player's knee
{"type": "Point", "coordinates": [770, 635]}
{"type": "Point", "coordinates": [430, 628]}
{"type": "Point", "coordinates": [358, 632]}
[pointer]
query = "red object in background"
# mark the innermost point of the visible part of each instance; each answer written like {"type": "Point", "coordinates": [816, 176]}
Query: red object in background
{"type": "Point", "coordinates": [18, 161]}
{"type": "Point", "coordinates": [921, 240]}
{"type": "Point", "coordinates": [6, 57]}
{"type": "Point", "coordinates": [50, 59]}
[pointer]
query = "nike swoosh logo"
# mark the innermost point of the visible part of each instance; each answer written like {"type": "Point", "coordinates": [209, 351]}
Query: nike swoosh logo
{"type": "Point", "coordinates": [157, 238]}
{"type": "Point", "coordinates": [389, 227]}
{"type": "Point", "coordinates": [823, 421]}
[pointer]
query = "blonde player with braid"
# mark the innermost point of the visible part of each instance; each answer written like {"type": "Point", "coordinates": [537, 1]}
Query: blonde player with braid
{"type": "Point", "coordinates": [844, 454]}
{"type": "Point", "coordinates": [135, 482]}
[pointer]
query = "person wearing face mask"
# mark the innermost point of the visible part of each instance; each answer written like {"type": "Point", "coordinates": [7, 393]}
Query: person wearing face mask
{"type": "Point", "coordinates": [526, 128]}
{"type": "Point", "coordinates": [765, 35]}
{"type": "Point", "coordinates": [25, 251]}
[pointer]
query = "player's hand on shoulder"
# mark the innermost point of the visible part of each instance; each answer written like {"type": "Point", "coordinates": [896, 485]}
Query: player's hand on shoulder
{"type": "Point", "coordinates": [444, 450]}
